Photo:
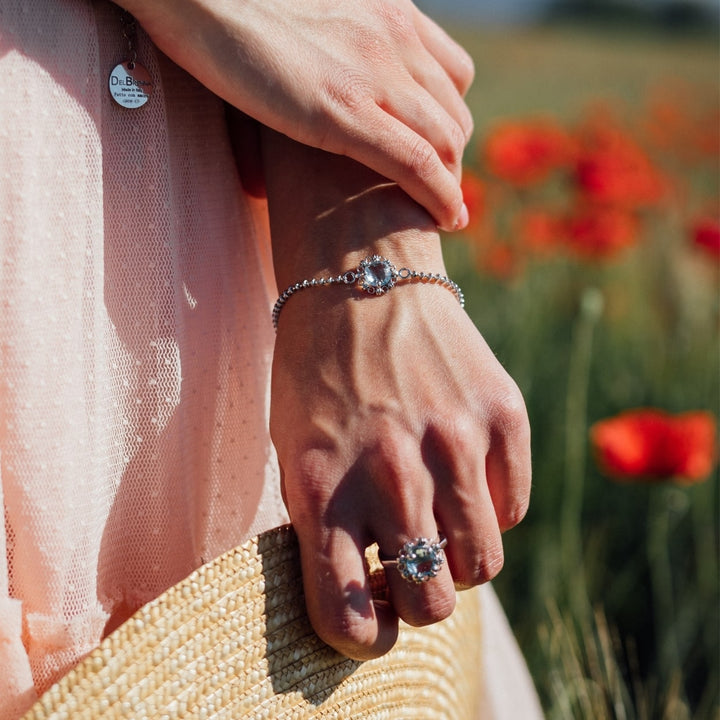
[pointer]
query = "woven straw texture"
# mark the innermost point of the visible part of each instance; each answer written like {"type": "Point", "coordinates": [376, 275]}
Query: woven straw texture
{"type": "Point", "coordinates": [233, 641]}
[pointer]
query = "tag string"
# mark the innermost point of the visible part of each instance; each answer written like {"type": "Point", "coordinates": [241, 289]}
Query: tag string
{"type": "Point", "coordinates": [129, 31]}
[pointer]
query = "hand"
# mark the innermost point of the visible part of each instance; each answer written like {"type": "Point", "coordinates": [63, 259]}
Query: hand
{"type": "Point", "coordinates": [392, 419]}
{"type": "Point", "coordinates": [375, 80]}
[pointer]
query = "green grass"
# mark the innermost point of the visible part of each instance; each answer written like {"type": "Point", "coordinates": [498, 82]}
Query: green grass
{"type": "Point", "coordinates": [559, 71]}
{"type": "Point", "coordinates": [612, 589]}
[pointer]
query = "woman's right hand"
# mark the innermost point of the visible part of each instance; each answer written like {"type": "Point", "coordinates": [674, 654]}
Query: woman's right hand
{"type": "Point", "coordinates": [376, 80]}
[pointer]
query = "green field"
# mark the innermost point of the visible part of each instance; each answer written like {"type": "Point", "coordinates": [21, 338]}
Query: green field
{"type": "Point", "coordinates": [611, 587]}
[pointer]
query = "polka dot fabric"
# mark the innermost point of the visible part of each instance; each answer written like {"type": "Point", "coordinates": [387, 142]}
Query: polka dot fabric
{"type": "Point", "coordinates": [135, 340]}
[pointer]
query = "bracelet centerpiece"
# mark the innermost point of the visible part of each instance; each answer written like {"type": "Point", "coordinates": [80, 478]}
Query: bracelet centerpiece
{"type": "Point", "coordinates": [377, 275]}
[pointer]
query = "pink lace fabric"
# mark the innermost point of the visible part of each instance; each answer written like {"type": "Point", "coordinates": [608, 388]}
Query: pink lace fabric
{"type": "Point", "coordinates": [135, 340]}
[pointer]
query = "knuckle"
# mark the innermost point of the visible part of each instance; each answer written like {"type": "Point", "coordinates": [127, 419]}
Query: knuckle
{"type": "Point", "coordinates": [510, 411]}
{"type": "Point", "coordinates": [516, 511]}
{"type": "Point", "coordinates": [466, 72]}
{"type": "Point", "coordinates": [452, 146]}
{"type": "Point", "coordinates": [458, 140]}
{"type": "Point", "coordinates": [308, 485]}
{"type": "Point", "coordinates": [464, 435]}
{"type": "Point", "coordinates": [394, 448]}
{"type": "Point", "coordinates": [347, 89]}
{"type": "Point", "coordinates": [437, 608]}
{"type": "Point", "coordinates": [422, 159]}
{"type": "Point", "coordinates": [349, 634]}
{"type": "Point", "coordinates": [311, 463]}
{"type": "Point", "coordinates": [468, 126]}
{"type": "Point", "coordinates": [457, 435]}
{"type": "Point", "coordinates": [488, 565]}
{"type": "Point", "coordinates": [397, 22]}
{"type": "Point", "coordinates": [479, 565]}
{"type": "Point", "coordinates": [394, 459]}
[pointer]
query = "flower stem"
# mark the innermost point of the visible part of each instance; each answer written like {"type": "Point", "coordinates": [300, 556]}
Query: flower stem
{"type": "Point", "coordinates": [591, 306]}
{"type": "Point", "coordinates": [661, 578]}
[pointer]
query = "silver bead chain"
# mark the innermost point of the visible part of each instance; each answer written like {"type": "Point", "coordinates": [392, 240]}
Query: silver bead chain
{"type": "Point", "coordinates": [351, 276]}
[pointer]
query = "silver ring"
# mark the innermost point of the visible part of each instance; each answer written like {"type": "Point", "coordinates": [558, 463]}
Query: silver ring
{"type": "Point", "coordinates": [419, 559]}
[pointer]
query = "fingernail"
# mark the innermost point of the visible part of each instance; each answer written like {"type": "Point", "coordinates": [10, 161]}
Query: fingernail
{"type": "Point", "coordinates": [464, 218]}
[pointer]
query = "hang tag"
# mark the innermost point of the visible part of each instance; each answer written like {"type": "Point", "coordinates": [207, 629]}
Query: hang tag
{"type": "Point", "coordinates": [130, 84]}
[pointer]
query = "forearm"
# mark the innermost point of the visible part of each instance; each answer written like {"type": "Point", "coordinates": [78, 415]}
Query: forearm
{"type": "Point", "coordinates": [328, 212]}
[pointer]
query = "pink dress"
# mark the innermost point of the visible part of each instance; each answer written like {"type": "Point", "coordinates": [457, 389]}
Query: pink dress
{"type": "Point", "coordinates": [135, 340]}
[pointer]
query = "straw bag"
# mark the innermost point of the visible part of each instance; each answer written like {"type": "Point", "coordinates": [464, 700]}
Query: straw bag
{"type": "Point", "coordinates": [233, 641]}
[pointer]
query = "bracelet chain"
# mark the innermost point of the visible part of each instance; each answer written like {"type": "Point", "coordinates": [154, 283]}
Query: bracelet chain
{"type": "Point", "coordinates": [376, 288]}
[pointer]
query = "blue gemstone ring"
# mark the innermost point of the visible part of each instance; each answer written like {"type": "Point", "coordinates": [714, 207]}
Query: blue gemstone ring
{"type": "Point", "coordinates": [419, 559]}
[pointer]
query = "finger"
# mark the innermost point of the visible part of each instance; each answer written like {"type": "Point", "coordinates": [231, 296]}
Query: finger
{"type": "Point", "coordinates": [428, 72]}
{"type": "Point", "coordinates": [463, 503]}
{"type": "Point", "coordinates": [418, 603]}
{"type": "Point", "coordinates": [434, 112]}
{"type": "Point", "coordinates": [455, 61]}
{"type": "Point", "coordinates": [407, 516]}
{"type": "Point", "coordinates": [338, 597]}
{"type": "Point", "coordinates": [474, 549]}
{"type": "Point", "coordinates": [395, 151]}
{"type": "Point", "coordinates": [421, 112]}
{"type": "Point", "coordinates": [508, 462]}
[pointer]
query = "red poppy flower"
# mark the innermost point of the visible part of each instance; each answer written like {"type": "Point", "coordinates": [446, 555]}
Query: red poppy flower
{"type": "Point", "coordinates": [501, 261]}
{"type": "Point", "coordinates": [706, 235]}
{"type": "Point", "coordinates": [540, 231]}
{"type": "Point", "coordinates": [648, 444]}
{"type": "Point", "coordinates": [667, 123]}
{"type": "Point", "coordinates": [682, 121]}
{"type": "Point", "coordinates": [525, 153]}
{"type": "Point", "coordinates": [612, 169]}
{"type": "Point", "coordinates": [600, 232]}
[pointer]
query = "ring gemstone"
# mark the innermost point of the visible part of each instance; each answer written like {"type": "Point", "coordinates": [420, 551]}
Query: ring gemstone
{"type": "Point", "coordinates": [420, 559]}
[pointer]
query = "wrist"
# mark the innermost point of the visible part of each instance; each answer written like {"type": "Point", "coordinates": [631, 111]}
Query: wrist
{"type": "Point", "coordinates": [328, 213]}
{"type": "Point", "coordinates": [374, 275]}
{"type": "Point", "coordinates": [319, 255]}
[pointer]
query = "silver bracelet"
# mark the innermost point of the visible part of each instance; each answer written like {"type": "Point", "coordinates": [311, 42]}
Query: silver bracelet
{"type": "Point", "coordinates": [375, 275]}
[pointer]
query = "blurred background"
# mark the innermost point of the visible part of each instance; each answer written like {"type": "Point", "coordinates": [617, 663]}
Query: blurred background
{"type": "Point", "coordinates": [673, 13]}
{"type": "Point", "coordinates": [592, 267]}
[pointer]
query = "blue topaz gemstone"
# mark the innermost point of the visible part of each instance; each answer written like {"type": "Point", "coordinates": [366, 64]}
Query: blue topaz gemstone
{"type": "Point", "coordinates": [376, 275]}
{"type": "Point", "coordinates": [420, 559]}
